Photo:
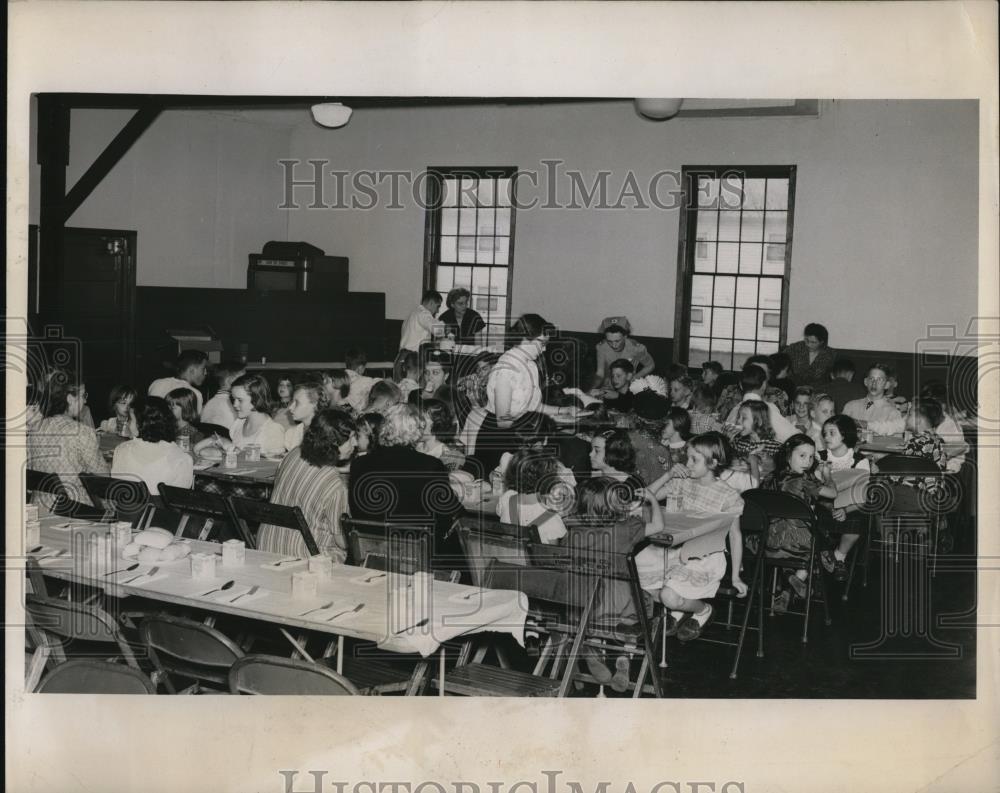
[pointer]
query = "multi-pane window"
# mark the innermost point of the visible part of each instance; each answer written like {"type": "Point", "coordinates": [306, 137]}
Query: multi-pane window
{"type": "Point", "coordinates": [470, 239]}
{"type": "Point", "coordinates": [736, 236]}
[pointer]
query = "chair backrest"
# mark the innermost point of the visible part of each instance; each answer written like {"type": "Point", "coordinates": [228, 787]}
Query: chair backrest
{"type": "Point", "coordinates": [393, 546]}
{"type": "Point", "coordinates": [271, 674]}
{"type": "Point", "coordinates": [909, 465]}
{"type": "Point", "coordinates": [72, 621]}
{"type": "Point", "coordinates": [87, 676]}
{"type": "Point", "coordinates": [772, 504]}
{"type": "Point", "coordinates": [209, 506]}
{"type": "Point", "coordinates": [485, 539]}
{"type": "Point", "coordinates": [66, 501]}
{"type": "Point", "coordinates": [252, 512]}
{"type": "Point", "coordinates": [121, 499]}
{"type": "Point", "coordinates": [190, 649]}
{"type": "Point", "coordinates": [35, 577]}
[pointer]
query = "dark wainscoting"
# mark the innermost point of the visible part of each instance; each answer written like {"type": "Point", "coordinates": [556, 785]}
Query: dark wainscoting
{"type": "Point", "coordinates": [281, 326]}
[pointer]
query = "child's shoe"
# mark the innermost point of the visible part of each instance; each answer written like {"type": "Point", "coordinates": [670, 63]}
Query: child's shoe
{"type": "Point", "coordinates": [619, 682]}
{"type": "Point", "coordinates": [780, 603]}
{"type": "Point", "coordinates": [595, 665]}
{"type": "Point", "coordinates": [798, 585]}
{"type": "Point", "coordinates": [692, 627]}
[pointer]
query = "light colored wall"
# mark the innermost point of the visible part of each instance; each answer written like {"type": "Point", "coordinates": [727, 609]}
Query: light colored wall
{"type": "Point", "coordinates": [885, 222]}
{"type": "Point", "coordinates": [885, 225]}
{"type": "Point", "coordinates": [194, 187]}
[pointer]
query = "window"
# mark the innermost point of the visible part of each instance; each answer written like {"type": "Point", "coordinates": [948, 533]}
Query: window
{"type": "Point", "coordinates": [469, 239]}
{"type": "Point", "coordinates": [735, 256]}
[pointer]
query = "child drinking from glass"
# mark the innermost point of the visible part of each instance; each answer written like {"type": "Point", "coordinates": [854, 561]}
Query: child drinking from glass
{"type": "Point", "coordinates": [308, 399]}
{"type": "Point", "coordinates": [795, 473]}
{"type": "Point", "coordinates": [122, 422]}
{"type": "Point", "coordinates": [840, 436]}
{"type": "Point", "coordinates": [687, 575]}
{"type": "Point", "coordinates": [184, 407]}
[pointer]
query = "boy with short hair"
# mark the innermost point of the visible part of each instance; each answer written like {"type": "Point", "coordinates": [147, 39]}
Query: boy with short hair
{"type": "Point", "coordinates": [842, 387]}
{"type": "Point", "coordinates": [616, 393]}
{"type": "Point", "coordinates": [192, 368]}
{"type": "Point", "coordinates": [219, 409]}
{"type": "Point", "coordinates": [711, 371]}
{"type": "Point", "coordinates": [617, 345]}
{"type": "Point", "coordinates": [874, 411]}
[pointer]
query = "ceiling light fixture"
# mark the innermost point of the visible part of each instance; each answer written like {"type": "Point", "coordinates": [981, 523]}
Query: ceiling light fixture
{"type": "Point", "coordinates": [331, 114]}
{"type": "Point", "coordinates": [658, 109]}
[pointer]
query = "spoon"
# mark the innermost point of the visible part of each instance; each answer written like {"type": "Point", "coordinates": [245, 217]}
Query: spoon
{"type": "Point", "coordinates": [287, 561]}
{"type": "Point", "coordinates": [128, 569]}
{"type": "Point", "coordinates": [228, 585]}
{"type": "Point", "coordinates": [37, 548]}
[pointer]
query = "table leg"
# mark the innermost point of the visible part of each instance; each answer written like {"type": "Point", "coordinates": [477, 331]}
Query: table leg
{"type": "Point", "coordinates": [300, 648]}
{"type": "Point", "coordinates": [441, 672]}
{"type": "Point", "coordinates": [340, 655]}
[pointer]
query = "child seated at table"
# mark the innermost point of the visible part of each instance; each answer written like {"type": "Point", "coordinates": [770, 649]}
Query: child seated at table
{"type": "Point", "coordinates": [675, 435]}
{"type": "Point", "coordinates": [383, 395]}
{"type": "Point", "coordinates": [184, 408]}
{"type": "Point", "coordinates": [755, 441]}
{"type": "Point", "coordinates": [875, 412]}
{"type": "Point", "coordinates": [153, 457]}
{"type": "Point", "coordinates": [840, 436]}
{"type": "Point", "coordinates": [355, 361]}
{"type": "Point", "coordinates": [711, 371]}
{"type": "Point", "coordinates": [122, 422]}
{"type": "Point", "coordinates": [281, 411]}
{"type": "Point", "coordinates": [686, 576]}
{"type": "Point", "coordinates": [531, 483]}
{"type": "Point", "coordinates": [702, 410]}
{"type": "Point", "coordinates": [219, 409]}
{"type": "Point", "coordinates": [439, 434]}
{"type": "Point", "coordinates": [253, 425]}
{"type": "Point", "coordinates": [680, 391]}
{"type": "Point", "coordinates": [922, 418]}
{"type": "Point", "coordinates": [821, 408]}
{"type": "Point", "coordinates": [337, 385]}
{"type": "Point", "coordinates": [615, 392]}
{"type": "Point", "coordinates": [949, 430]}
{"type": "Point", "coordinates": [800, 403]}
{"type": "Point", "coordinates": [606, 522]}
{"type": "Point", "coordinates": [369, 425]}
{"type": "Point", "coordinates": [308, 399]}
{"type": "Point", "coordinates": [612, 454]}
{"type": "Point", "coordinates": [410, 381]}
{"type": "Point", "coordinates": [795, 473]}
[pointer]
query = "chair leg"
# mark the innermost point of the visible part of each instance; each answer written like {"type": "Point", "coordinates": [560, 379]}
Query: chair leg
{"type": "Point", "coordinates": [774, 585]}
{"type": "Point", "coordinates": [809, 591]}
{"type": "Point", "coordinates": [543, 656]}
{"type": "Point", "coordinates": [743, 627]}
{"type": "Point", "coordinates": [760, 607]}
{"type": "Point", "coordinates": [640, 681]}
{"type": "Point", "coordinates": [823, 594]}
{"type": "Point", "coordinates": [663, 638]}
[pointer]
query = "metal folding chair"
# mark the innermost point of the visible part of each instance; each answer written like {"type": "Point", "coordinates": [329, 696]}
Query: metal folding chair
{"type": "Point", "coordinates": [121, 499]}
{"type": "Point", "coordinates": [271, 674]}
{"type": "Point", "coordinates": [86, 676]}
{"type": "Point", "coordinates": [183, 648]}
{"type": "Point", "coordinates": [251, 513]}
{"type": "Point", "coordinates": [213, 509]}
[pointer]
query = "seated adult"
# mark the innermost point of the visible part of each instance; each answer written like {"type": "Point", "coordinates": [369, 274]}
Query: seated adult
{"type": "Point", "coordinates": [219, 409]}
{"type": "Point", "coordinates": [459, 320]}
{"type": "Point", "coordinates": [313, 477]}
{"type": "Point", "coordinates": [842, 387]}
{"type": "Point", "coordinates": [191, 368]}
{"type": "Point", "coordinates": [154, 457]}
{"type": "Point", "coordinates": [811, 357]}
{"type": "Point", "coordinates": [395, 482]}
{"type": "Point", "coordinates": [60, 444]}
{"type": "Point", "coordinates": [617, 345]}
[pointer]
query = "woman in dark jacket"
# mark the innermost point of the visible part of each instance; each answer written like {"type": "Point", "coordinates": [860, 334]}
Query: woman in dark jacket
{"type": "Point", "coordinates": [460, 320]}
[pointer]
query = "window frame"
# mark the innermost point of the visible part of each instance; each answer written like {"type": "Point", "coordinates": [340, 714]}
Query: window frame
{"type": "Point", "coordinates": [434, 176]}
{"type": "Point", "coordinates": [687, 243]}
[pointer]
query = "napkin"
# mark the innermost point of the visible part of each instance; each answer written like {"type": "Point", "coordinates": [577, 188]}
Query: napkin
{"type": "Point", "coordinates": [285, 564]}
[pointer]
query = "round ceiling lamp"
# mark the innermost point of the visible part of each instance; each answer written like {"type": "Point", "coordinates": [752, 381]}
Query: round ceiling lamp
{"type": "Point", "coordinates": [658, 109]}
{"type": "Point", "coordinates": [331, 114]}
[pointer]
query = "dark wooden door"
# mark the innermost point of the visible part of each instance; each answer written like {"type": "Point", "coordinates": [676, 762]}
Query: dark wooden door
{"type": "Point", "coordinates": [93, 301]}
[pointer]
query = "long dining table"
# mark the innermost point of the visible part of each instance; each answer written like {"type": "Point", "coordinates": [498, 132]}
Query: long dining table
{"type": "Point", "coordinates": [399, 613]}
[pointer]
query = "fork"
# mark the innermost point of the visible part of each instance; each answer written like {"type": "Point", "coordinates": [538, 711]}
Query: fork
{"type": "Point", "coordinates": [318, 608]}
{"type": "Point", "coordinates": [356, 609]}
{"type": "Point", "coordinates": [153, 571]}
{"type": "Point", "coordinates": [252, 591]}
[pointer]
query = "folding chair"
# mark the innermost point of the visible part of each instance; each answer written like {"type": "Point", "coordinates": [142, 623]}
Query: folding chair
{"type": "Point", "coordinates": [78, 629]}
{"type": "Point", "coordinates": [561, 586]}
{"type": "Point", "coordinates": [485, 539]}
{"type": "Point", "coordinates": [909, 517]}
{"type": "Point", "coordinates": [271, 674]}
{"type": "Point", "coordinates": [395, 547]}
{"type": "Point", "coordinates": [179, 647]}
{"type": "Point", "coordinates": [84, 676]}
{"type": "Point", "coordinates": [250, 513]}
{"type": "Point", "coordinates": [212, 508]}
{"type": "Point", "coordinates": [66, 502]}
{"type": "Point", "coordinates": [771, 505]}
{"type": "Point", "coordinates": [121, 499]}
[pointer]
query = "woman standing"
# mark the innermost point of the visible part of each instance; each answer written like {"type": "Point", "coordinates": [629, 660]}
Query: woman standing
{"type": "Point", "coordinates": [313, 478]}
{"type": "Point", "coordinates": [459, 320]}
{"type": "Point", "coordinates": [61, 444]}
{"type": "Point", "coordinates": [811, 357]}
{"type": "Point", "coordinates": [514, 389]}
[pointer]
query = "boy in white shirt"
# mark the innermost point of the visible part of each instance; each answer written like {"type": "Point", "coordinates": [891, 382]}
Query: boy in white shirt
{"type": "Point", "coordinates": [219, 409]}
{"type": "Point", "coordinates": [355, 361]}
{"type": "Point", "coordinates": [875, 412]}
{"type": "Point", "coordinates": [192, 368]}
{"type": "Point", "coordinates": [419, 327]}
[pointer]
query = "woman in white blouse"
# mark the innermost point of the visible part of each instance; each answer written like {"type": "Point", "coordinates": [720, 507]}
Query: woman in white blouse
{"type": "Point", "coordinates": [153, 457]}
{"type": "Point", "coordinates": [514, 389]}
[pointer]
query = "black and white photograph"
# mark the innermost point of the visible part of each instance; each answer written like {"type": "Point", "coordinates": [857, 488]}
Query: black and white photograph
{"type": "Point", "coordinates": [676, 405]}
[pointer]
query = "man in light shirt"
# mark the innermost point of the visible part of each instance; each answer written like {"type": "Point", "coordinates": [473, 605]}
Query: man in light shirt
{"type": "Point", "coordinates": [192, 368]}
{"type": "Point", "coordinates": [418, 328]}
{"type": "Point", "coordinates": [874, 411]}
